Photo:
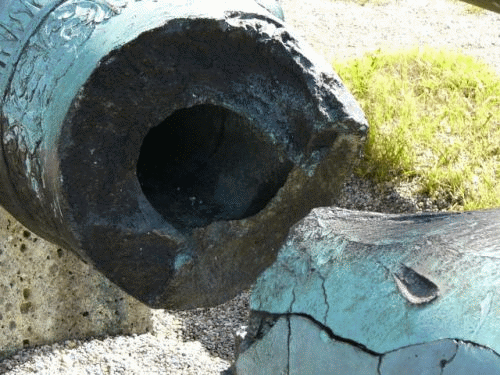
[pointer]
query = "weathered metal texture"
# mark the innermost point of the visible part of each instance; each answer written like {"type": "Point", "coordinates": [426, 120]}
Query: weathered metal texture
{"type": "Point", "coordinates": [296, 344]}
{"type": "Point", "coordinates": [170, 143]}
{"type": "Point", "coordinates": [389, 281]}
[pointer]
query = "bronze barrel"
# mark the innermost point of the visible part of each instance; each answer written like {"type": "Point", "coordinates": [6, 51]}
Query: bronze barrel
{"type": "Point", "coordinates": [171, 144]}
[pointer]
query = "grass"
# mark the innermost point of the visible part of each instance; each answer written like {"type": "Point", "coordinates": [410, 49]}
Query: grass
{"type": "Point", "coordinates": [435, 122]}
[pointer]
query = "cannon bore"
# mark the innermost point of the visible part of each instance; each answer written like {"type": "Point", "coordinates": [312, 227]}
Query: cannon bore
{"type": "Point", "coordinates": [186, 174]}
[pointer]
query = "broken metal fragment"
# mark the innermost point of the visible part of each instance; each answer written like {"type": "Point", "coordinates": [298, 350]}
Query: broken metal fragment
{"type": "Point", "coordinates": [390, 281]}
{"type": "Point", "coordinates": [298, 345]}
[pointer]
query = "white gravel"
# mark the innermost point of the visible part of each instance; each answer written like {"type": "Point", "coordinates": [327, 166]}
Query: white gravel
{"type": "Point", "coordinates": [340, 30]}
{"type": "Point", "coordinates": [159, 352]}
{"type": "Point", "coordinates": [337, 30]}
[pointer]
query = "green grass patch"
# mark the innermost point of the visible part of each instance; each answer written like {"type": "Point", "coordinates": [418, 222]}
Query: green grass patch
{"type": "Point", "coordinates": [434, 120]}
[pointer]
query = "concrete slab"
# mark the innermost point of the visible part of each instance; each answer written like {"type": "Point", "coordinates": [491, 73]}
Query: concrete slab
{"type": "Point", "coordinates": [48, 294]}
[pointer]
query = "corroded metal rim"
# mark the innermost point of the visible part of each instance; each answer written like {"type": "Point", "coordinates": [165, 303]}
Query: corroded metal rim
{"type": "Point", "coordinates": [78, 111]}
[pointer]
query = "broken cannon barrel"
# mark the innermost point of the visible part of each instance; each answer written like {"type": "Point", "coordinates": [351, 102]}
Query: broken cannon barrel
{"type": "Point", "coordinates": [170, 144]}
{"type": "Point", "coordinates": [367, 293]}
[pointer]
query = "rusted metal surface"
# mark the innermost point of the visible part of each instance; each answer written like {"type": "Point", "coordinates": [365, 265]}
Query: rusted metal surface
{"type": "Point", "coordinates": [379, 294]}
{"type": "Point", "coordinates": [170, 143]}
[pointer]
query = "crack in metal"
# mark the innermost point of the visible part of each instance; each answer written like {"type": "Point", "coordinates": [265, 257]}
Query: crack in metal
{"type": "Point", "coordinates": [328, 331]}
{"type": "Point", "coordinates": [325, 296]}
{"type": "Point", "coordinates": [290, 310]}
{"type": "Point", "coordinates": [289, 345]}
{"type": "Point", "coordinates": [445, 362]}
{"type": "Point", "coordinates": [335, 337]}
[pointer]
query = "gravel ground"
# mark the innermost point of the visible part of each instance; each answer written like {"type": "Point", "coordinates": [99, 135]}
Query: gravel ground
{"type": "Point", "coordinates": [201, 341]}
{"type": "Point", "coordinates": [339, 30]}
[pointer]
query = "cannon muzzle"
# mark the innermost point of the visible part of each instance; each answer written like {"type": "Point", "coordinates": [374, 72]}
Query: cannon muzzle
{"type": "Point", "coordinates": [171, 144]}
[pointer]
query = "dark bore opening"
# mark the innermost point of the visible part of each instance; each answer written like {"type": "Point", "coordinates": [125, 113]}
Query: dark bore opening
{"type": "Point", "coordinates": [207, 163]}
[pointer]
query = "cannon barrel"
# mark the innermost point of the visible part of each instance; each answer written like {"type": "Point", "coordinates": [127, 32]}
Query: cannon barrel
{"type": "Point", "coordinates": [171, 144]}
{"type": "Point", "coordinates": [368, 293]}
